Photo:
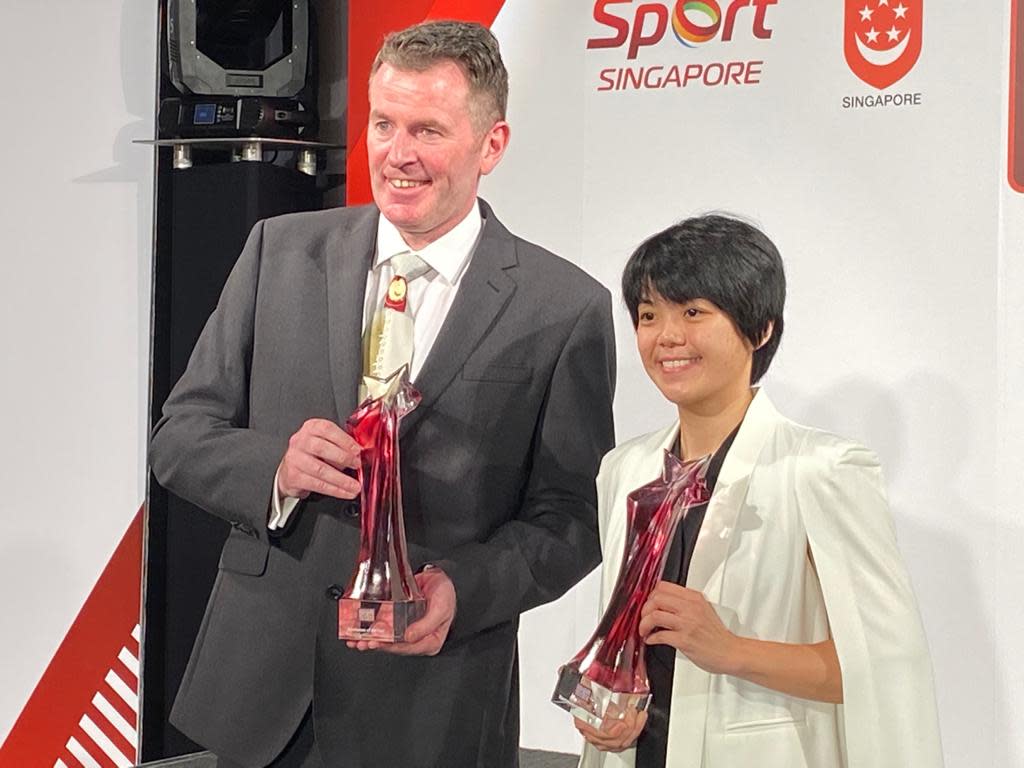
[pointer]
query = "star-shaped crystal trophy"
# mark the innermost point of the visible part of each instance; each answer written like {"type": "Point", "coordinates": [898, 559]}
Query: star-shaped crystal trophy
{"type": "Point", "coordinates": [382, 598]}
{"type": "Point", "coordinates": [608, 677]}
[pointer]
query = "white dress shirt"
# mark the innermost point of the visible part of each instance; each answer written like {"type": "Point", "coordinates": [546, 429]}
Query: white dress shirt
{"type": "Point", "coordinates": [430, 298]}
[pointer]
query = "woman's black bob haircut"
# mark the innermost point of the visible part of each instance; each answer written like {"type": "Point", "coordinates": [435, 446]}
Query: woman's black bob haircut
{"type": "Point", "coordinates": [721, 259]}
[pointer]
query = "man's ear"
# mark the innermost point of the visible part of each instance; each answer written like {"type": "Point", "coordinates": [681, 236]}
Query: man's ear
{"type": "Point", "coordinates": [765, 336]}
{"type": "Point", "coordinates": [494, 145]}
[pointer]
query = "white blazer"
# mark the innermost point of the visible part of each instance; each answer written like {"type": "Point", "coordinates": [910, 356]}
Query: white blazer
{"type": "Point", "coordinates": [797, 542]}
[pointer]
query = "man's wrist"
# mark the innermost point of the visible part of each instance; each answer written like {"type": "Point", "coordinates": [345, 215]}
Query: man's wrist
{"type": "Point", "coordinates": [281, 505]}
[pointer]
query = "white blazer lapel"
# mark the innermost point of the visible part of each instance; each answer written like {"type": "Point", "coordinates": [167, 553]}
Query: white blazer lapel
{"type": "Point", "coordinates": [690, 683]}
{"type": "Point", "coordinates": [707, 566]}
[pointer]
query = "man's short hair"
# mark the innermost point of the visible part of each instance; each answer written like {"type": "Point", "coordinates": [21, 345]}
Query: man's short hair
{"type": "Point", "coordinates": [472, 46]}
{"type": "Point", "coordinates": [719, 258]}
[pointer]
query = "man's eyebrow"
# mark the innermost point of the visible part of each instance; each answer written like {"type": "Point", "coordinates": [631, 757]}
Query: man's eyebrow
{"type": "Point", "coordinates": [434, 124]}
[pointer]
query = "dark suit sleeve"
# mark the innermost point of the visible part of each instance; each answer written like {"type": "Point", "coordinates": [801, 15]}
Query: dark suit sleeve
{"type": "Point", "coordinates": [552, 542]}
{"type": "Point", "coordinates": [202, 448]}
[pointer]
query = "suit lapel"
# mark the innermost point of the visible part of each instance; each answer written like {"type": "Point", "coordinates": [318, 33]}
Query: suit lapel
{"type": "Point", "coordinates": [485, 290]}
{"type": "Point", "coordinates": [348, 260]}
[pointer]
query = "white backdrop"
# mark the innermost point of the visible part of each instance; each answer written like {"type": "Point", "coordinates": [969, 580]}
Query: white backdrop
{"type": "Point", "coordinates": [1007, 629]}
{"type": "Point", "coordinates": [76, 222]}
{"type": "Point", "coordinates": [905, 324]}
{"type": "Point", "coordinates": [905, 287]}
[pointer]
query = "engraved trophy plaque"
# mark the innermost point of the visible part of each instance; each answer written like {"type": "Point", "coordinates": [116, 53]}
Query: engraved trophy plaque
{"type": "Point", "coordinates": [609, 675]}
{"type": "Point", "coordinates": [382, 598]}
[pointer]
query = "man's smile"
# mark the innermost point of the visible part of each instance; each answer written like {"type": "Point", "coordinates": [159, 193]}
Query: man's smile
{"type": "Point", "coordinates": [406, 183]}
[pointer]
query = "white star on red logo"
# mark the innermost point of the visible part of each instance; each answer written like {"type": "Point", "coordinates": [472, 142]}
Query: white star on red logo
{"type": "Point", "coordinates": [881, 38]}
{"type": "Point", "coordinates": [874, 21]}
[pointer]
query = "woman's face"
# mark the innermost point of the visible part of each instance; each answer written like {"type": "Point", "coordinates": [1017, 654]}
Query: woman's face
{"type": "Point", "coordinates": [693, 353]}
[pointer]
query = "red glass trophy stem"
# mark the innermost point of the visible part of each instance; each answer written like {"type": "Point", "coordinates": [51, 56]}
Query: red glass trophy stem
{"type": "Point", "coordinates": [395, 527]}
{"type": "Point", "coordinates": [383, 571]}
{"type": "Point", "coordinates": [614, 656]}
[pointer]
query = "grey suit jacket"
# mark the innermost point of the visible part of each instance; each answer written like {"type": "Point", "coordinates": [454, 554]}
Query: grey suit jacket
{"type": "Point", "coordinates": [498, 468]}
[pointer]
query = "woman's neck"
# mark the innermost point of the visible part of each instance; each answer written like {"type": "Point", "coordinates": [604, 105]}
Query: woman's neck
{"type": "Point", "coordinates": [701, 432]}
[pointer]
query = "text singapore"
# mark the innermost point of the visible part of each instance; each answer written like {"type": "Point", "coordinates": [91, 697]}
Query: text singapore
{"type": "Point", "coordinates": [660, 77]}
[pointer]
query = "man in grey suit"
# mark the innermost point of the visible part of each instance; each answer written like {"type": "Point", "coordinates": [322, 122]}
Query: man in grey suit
{"type": "Point", "coordinates": [514, 358]}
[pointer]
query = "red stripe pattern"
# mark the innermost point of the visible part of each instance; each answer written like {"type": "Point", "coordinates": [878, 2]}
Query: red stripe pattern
{"type": "Point", "coordinates": [84, 711]}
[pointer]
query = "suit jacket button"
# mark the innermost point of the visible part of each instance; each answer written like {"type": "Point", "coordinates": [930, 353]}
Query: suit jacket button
{"type": "Point", "coordinates": [334, 592]}
{"type": "Point", "coordinates": [352, 509]}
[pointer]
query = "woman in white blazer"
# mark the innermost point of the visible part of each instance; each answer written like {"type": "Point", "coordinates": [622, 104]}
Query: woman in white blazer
{"type": "Point", "coordinates": [796, 639]}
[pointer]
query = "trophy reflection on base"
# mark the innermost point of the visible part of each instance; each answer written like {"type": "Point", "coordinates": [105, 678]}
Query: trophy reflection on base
{"type": "Point", "coordinates": [608, 676]}
{"type": "Point", "coordinates": [382, 598]}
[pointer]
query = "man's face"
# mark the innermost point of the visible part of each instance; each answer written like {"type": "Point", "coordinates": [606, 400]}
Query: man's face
{"type": "Point", "coordinates": [426, 154]}
{"type": "Point", "coordinates": [693, 353]}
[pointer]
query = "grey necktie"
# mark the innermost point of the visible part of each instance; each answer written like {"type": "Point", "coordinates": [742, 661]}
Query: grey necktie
{"type": "Point", "coordinates": [391, 333]}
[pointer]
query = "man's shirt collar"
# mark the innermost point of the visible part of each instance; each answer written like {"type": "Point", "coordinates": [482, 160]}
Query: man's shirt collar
{"type": "Point", "coordinates": [448, 255]}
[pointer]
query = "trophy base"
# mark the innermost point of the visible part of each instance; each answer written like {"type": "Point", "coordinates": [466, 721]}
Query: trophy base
{"type": "Point", "coordinates": [382, 620]}
{"type": "Point", "coordinates": [591, 702]}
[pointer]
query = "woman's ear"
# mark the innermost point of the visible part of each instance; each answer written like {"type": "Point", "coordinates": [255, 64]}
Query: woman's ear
{"type": "Point", "coordinates": [766, 335]}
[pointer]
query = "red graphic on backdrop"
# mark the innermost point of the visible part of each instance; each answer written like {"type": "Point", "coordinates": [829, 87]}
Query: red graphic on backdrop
{"type": "Point", "coordinates": [882, 39]}
{"type": "Point", "coordinates": [84, 711]}
{"type": "Point", "coordinates": [1016, 131]}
